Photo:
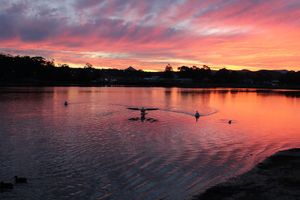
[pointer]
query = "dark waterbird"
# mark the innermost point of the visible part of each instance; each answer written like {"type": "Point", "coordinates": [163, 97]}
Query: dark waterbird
{"type": "Point", "coordinates": [6, 186]}
{"type": "Point", "coordinates": [20, 179]}
{"type": "Point", "coordinates": [197, 115]}
{"type": "Point", "coordinates": [228, 121]}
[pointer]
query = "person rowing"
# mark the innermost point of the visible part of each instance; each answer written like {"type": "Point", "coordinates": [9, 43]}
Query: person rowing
{"type": "Point", "coordinates": [143, 113]}
{"type": "Point", "coordinates": [197, 115]}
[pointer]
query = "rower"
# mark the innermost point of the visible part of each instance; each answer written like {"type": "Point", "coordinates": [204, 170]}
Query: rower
{"type": "Point", "coordinates": [143, 112]}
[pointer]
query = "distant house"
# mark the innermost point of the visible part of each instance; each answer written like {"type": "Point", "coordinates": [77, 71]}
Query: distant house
{"type": "Point", "coordinates": [184, 80]}
{"type": "Point", "coordinates": [152, 78]}
{"type": "Point", "coordinates": [131, 69]}
{"type": "Point", "coordinates": [275, 82]}
{"type": "Point", "coordinates": [248, 81]}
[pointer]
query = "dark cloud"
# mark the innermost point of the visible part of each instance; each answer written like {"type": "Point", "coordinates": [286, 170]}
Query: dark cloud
{"type": "Point", "coordinates": [37, 30]}
{"type": "Point", "coordinates": [16, 22]}
{"type": "Point", "coordinates": [32, 22]}
{"type": "Point", "coordinates": [81, 4]}
{"type": "Point", "coordinates": [7, 28]}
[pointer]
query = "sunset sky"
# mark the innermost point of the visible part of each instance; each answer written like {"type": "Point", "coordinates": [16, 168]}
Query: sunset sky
{"type": "Point", "coordinates": [148, 34]}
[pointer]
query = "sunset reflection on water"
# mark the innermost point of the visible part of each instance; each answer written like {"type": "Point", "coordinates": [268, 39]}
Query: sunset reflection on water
{"type": "Point", "coordinates": [89, 149]}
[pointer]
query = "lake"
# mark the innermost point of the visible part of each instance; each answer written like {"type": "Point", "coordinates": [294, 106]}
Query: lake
{"type": "Point", "coordinates": [91, 150]}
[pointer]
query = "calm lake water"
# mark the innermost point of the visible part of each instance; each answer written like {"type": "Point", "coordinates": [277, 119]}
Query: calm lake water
{"type": "Point", "coordinates": [90, 150]}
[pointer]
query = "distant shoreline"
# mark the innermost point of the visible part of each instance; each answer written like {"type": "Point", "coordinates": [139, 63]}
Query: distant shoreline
{"type": "Point", "coordinates": [276, 178]}
{"type": "Point", "coordinates": [38, 71]}
{"type": "Point", "coordinates": [202, 86]}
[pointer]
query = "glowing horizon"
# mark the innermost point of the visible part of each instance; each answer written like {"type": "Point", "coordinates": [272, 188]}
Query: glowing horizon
{"type": "Point", "coordinates": [150, 34]}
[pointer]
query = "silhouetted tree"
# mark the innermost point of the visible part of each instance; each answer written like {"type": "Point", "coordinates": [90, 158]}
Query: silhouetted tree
{"type": "Point", "coordinates": [183, 69]}
{"type": "Point", "coordinates": [195, 68]}
{"type": "Point", "coordinates": [205, 67]}
{"type": "Point", "coordinates": [88, 66]}
{"type": "Point", "coordinates": [168, 68]}
{"type": "Point", "coordinates": [168, 71]}
{"type": "Point", "coordinates": [64, 66]}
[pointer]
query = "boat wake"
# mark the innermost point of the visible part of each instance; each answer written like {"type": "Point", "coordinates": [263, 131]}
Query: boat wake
{"type": "Point", "coordinates": [189, 113]}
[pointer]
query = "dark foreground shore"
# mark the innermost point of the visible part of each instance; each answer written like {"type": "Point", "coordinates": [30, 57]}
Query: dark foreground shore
{"type": "Point", "coordinates": [276, 178]}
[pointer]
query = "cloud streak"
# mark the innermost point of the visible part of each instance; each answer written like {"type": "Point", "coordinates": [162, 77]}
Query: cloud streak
{"type": "Point", "coordinates": [150, 34]}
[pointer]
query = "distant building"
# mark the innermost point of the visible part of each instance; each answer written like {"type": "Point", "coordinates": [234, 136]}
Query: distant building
{"type": "Point", "coordinates": [184, 80]}
{"type": "Point", "coordinates": [275, 82]}
{"type": "Point", "coordinates": [152, 78]}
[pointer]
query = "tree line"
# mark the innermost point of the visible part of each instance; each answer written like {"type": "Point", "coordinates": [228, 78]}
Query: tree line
{"type": "Point", "coordinates": [26, 70]}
